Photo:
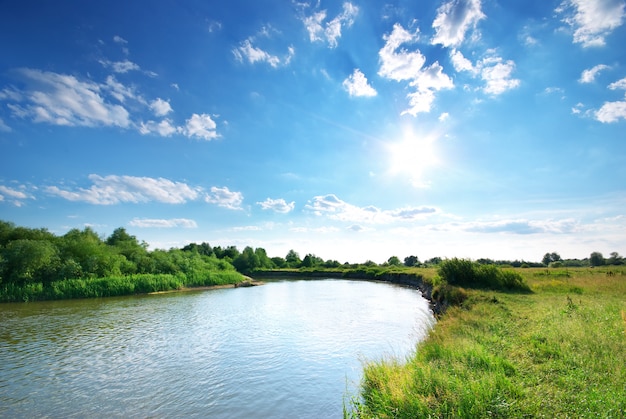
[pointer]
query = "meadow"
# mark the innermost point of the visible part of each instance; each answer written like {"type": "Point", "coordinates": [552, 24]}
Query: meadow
{"type": "Point", "coordinates": [557, 349]}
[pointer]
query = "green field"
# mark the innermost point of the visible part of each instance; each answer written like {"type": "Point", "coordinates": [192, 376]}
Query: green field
{"type": "Point", "coordinates": [557, 351]}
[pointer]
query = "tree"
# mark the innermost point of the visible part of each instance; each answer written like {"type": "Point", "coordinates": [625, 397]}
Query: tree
{"type": "Point", "coordinates": [293, 259]}
{"type": "Point", "coordinates": [411, 261]}
{"type": "Point", "coordinates": [246, 261]}
{"type": "Point", "coordinates": [26, 260]}
{"type": "Point", "coordinates": [596, 259]}
{"type": "Point", "coordinates": [550, 257]}
{"type": "Point", "coordinates": [394, 261]}
{"type": "Point", "coordinates": [615, 259]}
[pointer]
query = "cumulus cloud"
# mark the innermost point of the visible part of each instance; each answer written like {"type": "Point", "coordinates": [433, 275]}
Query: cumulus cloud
{"type": "Point", "coordinates": [200, 126]}
{"type": "Point", "coordinates": [163, 223]}
{"type": "Point", "coordinates": [330, 31]}
{"type": "Point", "coordinates": [336, 209]}
{"type": "Point", "coordinates": [592, 20]}
{"type": "Point", "coordinates": [589, 75]}
{"type": "Point", "coordinates": [620, 84]}
{"type": "Point", "coordinates": [403, 65]}
{"type": "Point", "coordinates": [113, 189]}
{"type": "Point", "coordinates": [225, 198]}
{"type": "Point", "coordinates": [164, 128]}
{"type": "Point", "coordinates": [492, 69]}
{"type": "Point", "coordinates": [454, 19]}
{"type": "Point", "coordinates": [611, 112]}
{"type": "Point", "coordinates": [277, 205]}
{"type": "Point", "coordinates": [160, 107]}
{"type": "Point", "coordinates": [356, 85]}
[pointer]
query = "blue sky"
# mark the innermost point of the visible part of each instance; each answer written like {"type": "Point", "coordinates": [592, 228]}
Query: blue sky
{"type": "Point", "coordinates": [353, 131]}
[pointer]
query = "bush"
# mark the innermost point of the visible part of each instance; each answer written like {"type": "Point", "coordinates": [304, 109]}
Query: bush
{"type": "Point", "coordinates": [464, 272]}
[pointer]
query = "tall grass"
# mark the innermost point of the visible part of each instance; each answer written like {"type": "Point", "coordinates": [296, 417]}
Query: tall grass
{"type": "Point", "coordinates": [114, 286]}
{"type": "Point", "coordinates": [549, 353]}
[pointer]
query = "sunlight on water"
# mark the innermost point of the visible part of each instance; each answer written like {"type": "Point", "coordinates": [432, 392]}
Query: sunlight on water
{"type": "Point", "coordinates": [285, 349]}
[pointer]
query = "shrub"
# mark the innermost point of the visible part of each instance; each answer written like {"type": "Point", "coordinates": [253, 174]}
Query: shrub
{"type": "Point", "coordinates": [466, 273]}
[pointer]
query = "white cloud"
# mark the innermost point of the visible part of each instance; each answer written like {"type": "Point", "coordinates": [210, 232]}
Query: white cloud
{"type": "Point", "coordinates": [611, 112]}
{"type": "Point", "coordinates": [119, 40]}
{"type": "Point", "coordinates": [223, 197]}
{"type": "Point", "coordinates": [64, 100]}
{"type": "Point", "coordinates": [253, 54]}
{"type": "Point", "coordinates": [336, 209]}
{"type": "Point", "coordinates": [113, 189]}
{"type": "Point", "coordinates": [121, 92]}
{"type": "Point", "coordinates": [523, 226]}
{"type": "Point", "coordinates": [592, 20]}
{"type": "Point", "coordinates": [460, 63]}
{"type": "Point", "coordinates": [331, 31]}
{"type": "Point", "coordinates": [164, 128]}
{"type": "Point", "coordinates": [356, 85]}
{"type": "Point", "coordinates": [497, 75]}
{"type": "Point", "coordinates": [620, 84]}
{"type": "Point", "coordinates": [277, 205]}
{"type": "Point", "coordinates": [444, 117]}
{"type": "Point", "coordinates": [493, 70]}
{"type": "Point", "coordinates": [400, 65]}
{"type": "Point", "coordinates": [589, 75]}
{"type": "Point", "coordinates": [453, 20]}
{"type": "Point", "coordinates": [160, 107]}
{"type": "Point", "coordinates": [15, 196]}
{"type": "Point", "coordinates": [200, 126]}
{"type": "Point", "coordinates": [163, 223]}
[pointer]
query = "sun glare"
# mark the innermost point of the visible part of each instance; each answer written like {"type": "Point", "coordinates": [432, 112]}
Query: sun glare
{"type": "Point", "coordinates": [412, 156]}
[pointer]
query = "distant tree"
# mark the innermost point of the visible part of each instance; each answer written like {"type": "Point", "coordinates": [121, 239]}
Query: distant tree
{"type": "Point", "coordinates": [394, 261]}
{"type": "Point", "coordinates": [246, 261]}
{"type": "Point", "coordinates": [550, 257]}
{"type": "Point", "coordinates": [434, 261]}
{"type": "Point", "coordinates": [411, 261]}
{"type": "Point", "coordinates": [293, 259]}
{"type": "Point", "coordinates": [332, 264]}
{"type": "Point", "coordinates": [264, 260]}
{"type": "Point", "coordinates": [615, 259]}
{"type": "Point", "coordinates": [26, 260]}
{"type": "Point", "coordinates": [596, 259]}
{"type": "Point", "coordinates": [279, 262]}
{"type": "Point", "coordinates": [203, 249]}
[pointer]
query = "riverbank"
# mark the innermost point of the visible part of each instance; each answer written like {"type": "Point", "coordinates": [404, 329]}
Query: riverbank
{"type": "Point", "coordinates": [557, 351]}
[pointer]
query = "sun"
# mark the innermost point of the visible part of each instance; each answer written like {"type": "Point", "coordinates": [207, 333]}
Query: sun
{"type": "Point", "coordinates": [413, 156]}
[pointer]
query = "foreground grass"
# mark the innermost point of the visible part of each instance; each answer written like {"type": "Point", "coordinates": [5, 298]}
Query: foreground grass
{"type": "Point", "coordinates": [556, 352]}
{"type": "Point", "coordinates": [114, 286]}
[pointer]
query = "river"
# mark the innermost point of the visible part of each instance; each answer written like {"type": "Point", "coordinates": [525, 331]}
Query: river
{"type": "Point", "coordinates": [291, 349]}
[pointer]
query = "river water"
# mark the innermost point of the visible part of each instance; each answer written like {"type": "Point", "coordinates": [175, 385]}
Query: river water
{"type": "Point", "coordinates": [292, 349]}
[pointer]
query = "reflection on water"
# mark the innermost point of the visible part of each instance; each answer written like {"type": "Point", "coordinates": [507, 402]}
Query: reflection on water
{"type": "Point", "coordinates": [285, 349]}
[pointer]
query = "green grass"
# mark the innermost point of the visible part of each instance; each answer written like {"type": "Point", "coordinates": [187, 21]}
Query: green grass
{"type": "Point", "coordinates": [557, 351]}
{"type": "Point", "coordinates": [114, 286]}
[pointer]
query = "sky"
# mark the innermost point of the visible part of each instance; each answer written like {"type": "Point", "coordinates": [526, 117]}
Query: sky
{"type": "Point", "coordinates": [354, 130]}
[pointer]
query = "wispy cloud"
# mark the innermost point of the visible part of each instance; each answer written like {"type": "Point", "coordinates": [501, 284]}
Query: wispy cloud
{"type": "Point", "coordinates": [402, 65]}
{"type": "Point", "coordinates": [14, 196]}
{"type": "Point", "coordinates": [592, 20]}
{"type": "Point", "coordinates": [113, 189]}
{"type": "Point", "coordinates": [336, 209]}
{"type": "Point", "coordinates": [356, 85]}
{"type": "Point", "coordinates": [454, 19]}
{"type": "Point", "coordinates": [4, 127]}
{"type": "Point", "coordinates": [277, 205]}
{"type": "Point", "coordinates": [163, 223]}
{"type": "Point", "coordinates": [120, 66]}
{"type": "Point", "coordinates": [589, 75]}
{"type": "Point", "coordinates": [225, 198]}
{"type": "Point", "coordinates": [64, 100]}
{"type": "Point", "coordinates": [523, 226]}
{"type": "Point", "coordinates": [250, 52]}
{"type": "Point", "coordinates": [320, 31]}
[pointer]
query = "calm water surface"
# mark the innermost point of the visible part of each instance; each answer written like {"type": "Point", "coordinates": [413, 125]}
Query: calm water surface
{"type": "Point", "coordinates": [286, 349]}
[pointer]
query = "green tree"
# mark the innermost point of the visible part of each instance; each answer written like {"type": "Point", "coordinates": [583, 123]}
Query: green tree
{"type": "Point", "coordinates": [411, 261]}
{"type": "Point", "coordinates": [293, 259]}
{"type": "Point", "coordinates": [394, 261]}
{"type": "Point", "coordinates": [550, 257]}
{"type": "Point", "coordinates": [246, 261]}
{"type": "Point", "coordinates": [615, 259]}
{"type": "Point", "coordinates": [26, 260]}
{"type": "Point", "coordinates": [596, 259]}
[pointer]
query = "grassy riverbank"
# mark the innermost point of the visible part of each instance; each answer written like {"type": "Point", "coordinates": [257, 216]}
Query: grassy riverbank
{"type": "Point", "coordinates": [115, 286]}
{"type": "Point", "coordinates": [555, 352]}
